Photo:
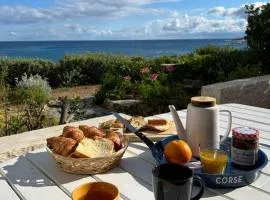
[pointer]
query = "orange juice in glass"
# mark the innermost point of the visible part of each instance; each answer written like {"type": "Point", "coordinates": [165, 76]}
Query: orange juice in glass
{"type": "Point", "coordinates": [213, 161]}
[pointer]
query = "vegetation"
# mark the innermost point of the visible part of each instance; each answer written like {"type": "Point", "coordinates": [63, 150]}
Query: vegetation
{"type": "Point", "coordinates": [27, 83]}
{"type": "Point", "coordinates": [24, 105]}
{"type": "Point", "coordinates": [258, 33]}
{"type": "Point", "coordinates": [125, 77]}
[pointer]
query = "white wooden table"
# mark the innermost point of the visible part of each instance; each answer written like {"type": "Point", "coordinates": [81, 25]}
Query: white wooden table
{"type": "Point", "coordinates": [36, 176]}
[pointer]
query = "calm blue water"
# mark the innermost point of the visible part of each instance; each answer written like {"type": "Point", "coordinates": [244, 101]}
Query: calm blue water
{"type": "Point", "coordinates": [55, 50]}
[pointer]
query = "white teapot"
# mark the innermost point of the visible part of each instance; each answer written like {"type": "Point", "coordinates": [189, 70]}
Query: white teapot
{"type": "Point", "coordinates": [202, 125]}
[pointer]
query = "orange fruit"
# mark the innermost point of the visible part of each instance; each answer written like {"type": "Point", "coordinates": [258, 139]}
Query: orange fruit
{"type": "Point", "coordinates": [178, 152]}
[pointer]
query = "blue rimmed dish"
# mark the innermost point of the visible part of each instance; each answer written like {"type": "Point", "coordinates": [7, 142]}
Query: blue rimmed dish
{"type": "Point", "coordinates": [232, 177]}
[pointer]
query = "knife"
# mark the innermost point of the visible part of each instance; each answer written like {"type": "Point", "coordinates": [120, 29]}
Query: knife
{"type": "Point", "coordinates": [134, 130]}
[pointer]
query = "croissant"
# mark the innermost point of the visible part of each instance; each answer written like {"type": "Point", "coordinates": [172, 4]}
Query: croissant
{"type": "Point", "coordinates": [114, 137]}
{"type": "Point", "coordinates": [61, 145]}
{"type": "Point", "coordinates": [68, 128]}
{"type": "Point", "coordinates": [74, 133]}
{"type": "Point", "coordinates": [92, 132]}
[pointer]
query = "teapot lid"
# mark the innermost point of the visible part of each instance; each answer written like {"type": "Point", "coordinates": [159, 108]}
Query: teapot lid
{"type": "Point", "coordinates": [203, 101]}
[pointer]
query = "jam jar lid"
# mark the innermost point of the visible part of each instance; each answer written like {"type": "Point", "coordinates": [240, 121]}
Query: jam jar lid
{"type": "Point", "coordinates": [245, 133]}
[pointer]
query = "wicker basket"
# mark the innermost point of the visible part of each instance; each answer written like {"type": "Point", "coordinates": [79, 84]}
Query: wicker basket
{"type": "Point", "coordinates": [89, 165]}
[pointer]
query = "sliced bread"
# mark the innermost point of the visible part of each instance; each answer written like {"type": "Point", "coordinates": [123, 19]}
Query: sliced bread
{"type": "Point", "coordinates": [89, 148]}
{"type": "Point", "coordinates": [158, 124]}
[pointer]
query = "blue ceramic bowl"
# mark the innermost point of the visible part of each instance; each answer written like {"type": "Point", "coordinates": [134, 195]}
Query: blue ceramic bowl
{"type": "Point", "coordinates": [232, 178]}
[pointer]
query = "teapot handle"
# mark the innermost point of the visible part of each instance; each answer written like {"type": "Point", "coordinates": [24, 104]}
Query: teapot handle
{"type": "Point", "coordinates": [229, 125]}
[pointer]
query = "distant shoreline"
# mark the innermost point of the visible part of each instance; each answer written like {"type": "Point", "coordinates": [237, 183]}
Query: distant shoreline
{"type": "Point", "coordinates": [105, 40]}
{"type": "Point", "coordinates": [55, 50]}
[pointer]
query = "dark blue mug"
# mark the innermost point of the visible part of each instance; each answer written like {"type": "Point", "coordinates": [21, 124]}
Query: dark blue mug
{"type": "Point", "coordinates": [175, 182]}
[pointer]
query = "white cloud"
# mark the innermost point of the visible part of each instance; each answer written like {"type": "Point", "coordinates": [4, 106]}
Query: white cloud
{"type": "Point", "coordinates": [13, 33]}
{"type": "Point", "coordinates": [70, 9]}
{"type": "Point", "coordinates": [77, 28]}
{"type": "Point", "coordinates": [22, 14]}
{"type": "Point", "coordinates": [232, 12]}
{"type": "Point", "coordinates": [174, 24]}
{"type": "Point", "coordinates": [228, 12]}
{"type": "Point", "coordinates": [184, 26]}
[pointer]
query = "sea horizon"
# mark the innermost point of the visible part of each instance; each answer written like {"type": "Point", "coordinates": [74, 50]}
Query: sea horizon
{"type": "Point", "coordinates": [56, 49]}
{"type": "Point", "coordinates": [229, 38]}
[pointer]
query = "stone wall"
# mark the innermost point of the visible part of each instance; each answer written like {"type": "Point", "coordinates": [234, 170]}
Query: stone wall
{"type": "Point", "coordinates": [251, 91]}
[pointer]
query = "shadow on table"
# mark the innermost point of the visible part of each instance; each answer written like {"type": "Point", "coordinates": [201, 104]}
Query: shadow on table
{"type": "Point", "coordinates": [23, 173]}
{"type": "Point", "coordinates": [139, 147]}
{"type": "Point", "coordinates": [209, 192]}
{"type": "Point", "coordinates": [34, 170]}
{"type": "Point", "coordinates": [265, 145]}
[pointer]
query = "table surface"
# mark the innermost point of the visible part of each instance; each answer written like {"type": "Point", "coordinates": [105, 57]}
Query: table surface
{"type": "Point", "coordinates": [36, 175]}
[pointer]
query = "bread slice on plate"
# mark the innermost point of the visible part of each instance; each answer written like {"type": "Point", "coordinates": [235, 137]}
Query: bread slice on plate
{"type": "Point", "coordinates": [89, 148]}
{"type": "Point", "coordinates": [158, 124]}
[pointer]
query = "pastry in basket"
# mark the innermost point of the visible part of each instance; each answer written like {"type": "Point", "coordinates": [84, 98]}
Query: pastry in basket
{"type": "Point", "coordinates": [111, 124]}
{"type": "Point", "coordinates": [73, 132]}
{"type": "Point", "coordinates": [114, 137]}
{"type": "Point", "coordinates": [89, 148]}
{"type": "Point", "coordinates": [92, 132]}
{"type": "Point", "coordinates": [158, 124]}
{"type": "Point", "coordinates": [61, 145]}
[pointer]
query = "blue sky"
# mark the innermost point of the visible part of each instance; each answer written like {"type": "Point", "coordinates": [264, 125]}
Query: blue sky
{"type": "Point", "coordinates": [121, 19]}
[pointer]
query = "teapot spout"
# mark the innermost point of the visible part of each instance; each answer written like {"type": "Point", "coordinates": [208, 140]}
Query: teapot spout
{"type": "Point", "coordinates": [181, 132]}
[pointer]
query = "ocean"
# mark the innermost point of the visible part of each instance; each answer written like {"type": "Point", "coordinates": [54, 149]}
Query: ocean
{"type": "Point", "coordinates": [55, 50]}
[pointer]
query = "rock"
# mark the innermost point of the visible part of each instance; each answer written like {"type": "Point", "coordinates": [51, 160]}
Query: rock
{"type": "Point", "coordinates": [251, 91]}
{"type": "Point", "coordinates": [129, 106]}
{"type": "Point", "coordinates": [95, 111]}
{"type": "Point", "coordinates": [87, 102]}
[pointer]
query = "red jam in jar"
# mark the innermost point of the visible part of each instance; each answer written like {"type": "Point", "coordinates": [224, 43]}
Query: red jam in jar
{"type": "Point", "coordinates": [244, 151]}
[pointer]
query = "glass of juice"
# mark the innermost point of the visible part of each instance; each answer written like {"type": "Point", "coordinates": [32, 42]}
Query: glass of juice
{"type": "Point", "coordinates": [213, 161]}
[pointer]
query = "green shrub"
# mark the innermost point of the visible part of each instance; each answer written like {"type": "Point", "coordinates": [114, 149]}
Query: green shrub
{"type": "Point", "coordinates": [89, 68]}
{"type": "Point", "coordinates": [245, 72]}
{"type": "Point", "coordinates": [213, 64]}
{"type": "Point", "coordinates": [32, 90]}
{"type": "Point", "coordinates": [16, 68]}
{"type": "Point", "coordinates": [258, 33]}
{"type": "Point", "coordinates": [122, 77]}
{"type": "Point", "coordinates": [29, 97]}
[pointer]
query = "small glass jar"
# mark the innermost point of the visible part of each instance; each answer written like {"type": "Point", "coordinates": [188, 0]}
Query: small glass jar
{"type": "Point", "coordinates": [214, 161]}
{"type": "Point", "coordinates": [244, 151]}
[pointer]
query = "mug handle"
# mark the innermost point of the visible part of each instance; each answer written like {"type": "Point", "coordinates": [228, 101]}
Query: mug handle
{"type": "Point", "coordinates": [229, 126]}
{"type": "Point", "coordinates": [197, 179]}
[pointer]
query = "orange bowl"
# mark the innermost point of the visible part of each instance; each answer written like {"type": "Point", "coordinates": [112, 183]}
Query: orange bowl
{"type": "Point", "coordinates": [96, 190]}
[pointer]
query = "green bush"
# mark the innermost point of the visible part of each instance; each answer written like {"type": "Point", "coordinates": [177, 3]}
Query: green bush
{"type": "Point", "coordinates": [30, 97]}
{"type": "Point", "coordinates": [90, 68]}
{"type": "Point", "coordinates": [258, 33]}
{"type": "Point", "coordinates": [213, 64]}
{"type": "Point", "coordinates": [207, 65]}
{"type": "Point", "coordinates": [32, 90]}
{"type": "Point", "coordinates": [122, 77]}
{"type": "Point", "coordinates": [16, 68]}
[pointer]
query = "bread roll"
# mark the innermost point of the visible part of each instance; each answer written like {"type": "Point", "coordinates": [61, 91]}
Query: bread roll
{"type": "Point", "coordinates": [61, 145]}
{"type": "Point", "coordinates": [92, 132]}
{"type": "Point", "coordinates": [89, 148]}
{"type": "Point", "coordinates": [114, 137]}
{"type": "Point", "coordinates": [68, 128]}
{"type": "Point", "coordinates": [74, 133]}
